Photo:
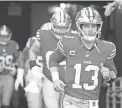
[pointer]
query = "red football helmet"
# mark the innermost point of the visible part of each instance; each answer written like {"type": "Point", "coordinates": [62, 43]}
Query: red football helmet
{"type": "Point", "coordinates": [61, 24]}
{"type": "Point", "coordinates": [88, 15]}
{"type": "Point", "coordinates": [5, 34]}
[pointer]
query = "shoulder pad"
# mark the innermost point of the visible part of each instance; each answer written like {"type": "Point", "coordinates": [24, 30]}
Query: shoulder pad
{"type": "Point", "coordinates": [15, 44]}
{"type": "Point", "coordinates": [34, 38]}
{"type": "Point", "coordinates": [110, 49]}
{"type": "Point", "coordinates": [46, 26]}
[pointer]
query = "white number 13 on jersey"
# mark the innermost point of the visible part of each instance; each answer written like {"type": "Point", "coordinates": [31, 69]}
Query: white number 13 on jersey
{"type": "Point", "coordinates": [94, 78]}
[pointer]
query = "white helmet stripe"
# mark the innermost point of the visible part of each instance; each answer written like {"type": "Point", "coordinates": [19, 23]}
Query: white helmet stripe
{"type": "Point", "coordinates": [91, 12]}
{"type": "Point", "coordinates": [62, 16]}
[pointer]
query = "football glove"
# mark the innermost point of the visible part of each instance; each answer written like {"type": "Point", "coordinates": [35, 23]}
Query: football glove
{"type": "Point", "coordinates": [19, 79]}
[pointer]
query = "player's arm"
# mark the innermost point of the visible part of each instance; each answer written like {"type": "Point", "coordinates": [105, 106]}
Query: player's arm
{"type": "Point", "coordinates": [57, 56]}
{"type": "Point", "coordinates": [25, 53]}
{"type": "Point", "coordinates": [20, 61]}
{"type": "Point", "coordinates": [109, 63]}
{"type": "Point", "coordinates": [112, 69]}
{"type": "Point", "coordinates": [35, 48]}
{"type": "Point", "coordinates": [36, 61]}
{"type": "Point", "coordinates": [26, 49]}
{"type": "Point", "coordinates": [22, 57]}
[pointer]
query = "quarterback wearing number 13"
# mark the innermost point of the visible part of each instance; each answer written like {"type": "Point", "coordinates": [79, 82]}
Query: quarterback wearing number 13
{"type": "Point", "coordinates": [89, 62]}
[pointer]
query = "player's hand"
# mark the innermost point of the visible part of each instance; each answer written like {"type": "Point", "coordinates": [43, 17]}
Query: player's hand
{"type": "Point", "coordinates": [59, 85]}
{"type": "Point", "coordinates": [18, 82]}
{"type": "Point", "coordinates": [105, 72]}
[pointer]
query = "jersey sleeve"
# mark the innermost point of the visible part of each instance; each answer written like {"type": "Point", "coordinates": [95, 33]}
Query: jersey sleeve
{"type": "Point", "coordinates": [16, 50]}
{"type": "Point", "coordinates": [17, 46]}
{"type": "Point", "coordinates": [28, 43]}
{"type": "Point", "coordinates": [109, 63]}
{"type": "Point", "coordinates": [58, 55]}
{"type": "Point", "coordinates": [25, 53]}
{"type": "Point", "coordinates": [111, 51]}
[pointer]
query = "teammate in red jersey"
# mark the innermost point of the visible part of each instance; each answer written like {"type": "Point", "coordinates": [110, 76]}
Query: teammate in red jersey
{"type": "Point", "coordinates": [60, 26]}
{"type": "Point", "coordinates": [33, 81]}
{"type": "Point", "coordinates": [9, 55]}
{"type": "Point", "coordinates": [89, 61]}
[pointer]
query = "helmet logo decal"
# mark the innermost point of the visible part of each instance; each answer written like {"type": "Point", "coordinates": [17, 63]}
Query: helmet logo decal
{"type": "Point", "coordinates": [90, 13]}
{"type": "Point", "coordinates": [4, 31]}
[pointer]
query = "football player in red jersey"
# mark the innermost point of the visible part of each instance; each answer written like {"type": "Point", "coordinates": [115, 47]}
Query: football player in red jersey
{"type": "Point", "coordinates": [89, 61]}
{"type": "Point", "coordinates": [60, 26]}
{"type": "Point", "coordinates": [33, 81]}
{"type": "Point", "coordinates": [9, 55]}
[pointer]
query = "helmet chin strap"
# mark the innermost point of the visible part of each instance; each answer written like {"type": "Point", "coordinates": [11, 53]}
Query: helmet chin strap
{"type": "Point", "coordinates": [59, 36]}
{"type": "Point", "coordinates": [56, 36]}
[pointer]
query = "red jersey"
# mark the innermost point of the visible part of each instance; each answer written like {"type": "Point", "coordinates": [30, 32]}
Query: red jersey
{"type": "Point", "coordinates": [9, 54]}
{"type": "Point", "coordinates": [29, 43]}
{"type": "Point", "coordinates": [48, 43]}
{"type": "Point", "coordinates": [83, 77]}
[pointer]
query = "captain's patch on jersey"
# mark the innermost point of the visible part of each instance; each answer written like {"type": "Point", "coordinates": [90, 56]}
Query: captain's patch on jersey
{"type": "Point", "coordinates": [72, 53]}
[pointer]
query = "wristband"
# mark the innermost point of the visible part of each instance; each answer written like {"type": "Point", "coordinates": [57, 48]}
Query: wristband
{"type": "Point", "coordinates": [55, 76]}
